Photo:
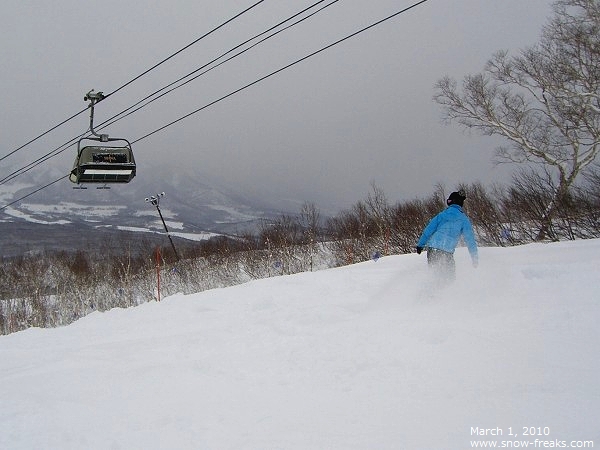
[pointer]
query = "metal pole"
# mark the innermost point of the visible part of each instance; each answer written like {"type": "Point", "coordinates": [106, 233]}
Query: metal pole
{"type": "Point", "coordinates": [155, 200]}
{"type": "Point", "coordinates": [95, 97]}
{"type": "Point", "coordinates": [167, 231]}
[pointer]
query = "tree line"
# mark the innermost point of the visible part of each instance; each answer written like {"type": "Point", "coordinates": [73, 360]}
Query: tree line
{"type": "Point", "coordinates": [545, 104]}
{"type": "Point", "coordinates": [54, 289]}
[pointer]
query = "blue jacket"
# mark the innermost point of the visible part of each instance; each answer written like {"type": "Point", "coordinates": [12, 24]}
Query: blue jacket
{"type": "Point", "coordinates": [445, 229]}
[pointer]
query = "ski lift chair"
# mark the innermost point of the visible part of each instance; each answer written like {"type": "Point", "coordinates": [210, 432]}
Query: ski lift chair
{"type": "Point", "coordinates": [103, 163]}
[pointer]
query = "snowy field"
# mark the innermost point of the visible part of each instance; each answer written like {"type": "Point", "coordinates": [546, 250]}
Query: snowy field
{"type": "Point", "coordinates": [360, 357]}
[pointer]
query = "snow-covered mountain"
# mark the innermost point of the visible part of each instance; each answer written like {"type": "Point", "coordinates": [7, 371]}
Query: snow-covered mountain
{"type": "Point", "coordinates": [193, 208]}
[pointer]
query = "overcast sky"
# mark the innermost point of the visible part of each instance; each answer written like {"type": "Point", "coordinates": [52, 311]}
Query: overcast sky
{"type": "Point", "coordinates": [321, 131]}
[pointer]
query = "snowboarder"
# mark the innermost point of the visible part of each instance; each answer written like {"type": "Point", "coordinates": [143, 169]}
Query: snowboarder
{"type": "Point", "coordinates": [441, 235]}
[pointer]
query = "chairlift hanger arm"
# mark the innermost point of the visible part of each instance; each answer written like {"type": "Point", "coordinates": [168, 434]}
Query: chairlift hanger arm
{"type": "Point", "coordinates": [95, 97]}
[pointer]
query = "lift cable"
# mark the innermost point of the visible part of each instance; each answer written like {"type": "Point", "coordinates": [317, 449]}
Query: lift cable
{"type": "Point", "coordinates": [246, 87]}
{"type": "Point", "coordinates": [185, 48]}
{"type": "Point", "coordinates": [130, 110]}
{"type": "Point", "coordinates": [42, 135]}
{"type": "Point", "coordinates": [281, 69]}
{"type": "Point", "coordinates": [34, 192]}
{"type": "Point", "coordinates": [41, 159]}
{"type": "Point", "coordinates": [173, 85]}
{"type": "Point", "coordinates": [133, 79]}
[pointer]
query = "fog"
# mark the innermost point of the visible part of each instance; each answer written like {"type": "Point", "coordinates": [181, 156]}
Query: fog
{"type": "Point", "coordinates": [322, 130]}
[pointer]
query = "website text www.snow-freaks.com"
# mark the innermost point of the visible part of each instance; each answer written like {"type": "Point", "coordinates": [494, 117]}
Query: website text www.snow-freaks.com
{"type": "Point", "coordinates": [538, 443]}
{"type": "Point", "coordinates": [527, 437]}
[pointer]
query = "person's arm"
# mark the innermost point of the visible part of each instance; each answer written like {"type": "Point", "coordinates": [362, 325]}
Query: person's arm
{"type": "Point", "coordinates": [428, 231]}
{"type": "Point", "coordinates": [469, 236]}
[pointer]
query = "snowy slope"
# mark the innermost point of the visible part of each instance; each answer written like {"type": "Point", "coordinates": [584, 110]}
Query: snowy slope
{"type": "Point", "coordinates": [361, 357]}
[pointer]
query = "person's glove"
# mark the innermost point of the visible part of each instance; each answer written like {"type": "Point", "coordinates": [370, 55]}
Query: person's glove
{"type": "Point", "coordinates": [475, 264]}
{"type": "Point", "coordinates": [419, 250]}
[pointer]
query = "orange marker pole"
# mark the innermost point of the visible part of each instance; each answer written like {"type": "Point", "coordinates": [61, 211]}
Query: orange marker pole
{"type": "Point", "coordinates": [158, 273]}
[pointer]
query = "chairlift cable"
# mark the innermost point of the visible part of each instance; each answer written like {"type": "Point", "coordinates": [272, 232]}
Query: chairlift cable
{"type": "Point", "coordinates": [185, 48]}
{"type": "Point", "coordinates": [41, 160]}
{"type": "Point", "coordinates": [281, 69]}
{"type": "Point", "coordinates": [122, 114]}
{"type": "Point", "coordinates": [42, 135]}
{"type": "Point", "coordinates": [130, 110]}
{"type": "Point", "coordinates": [385, 19]}
{"type": "Point", "coordinates": [34, 192]}
{"type": "Point", "coordinates": [132, 80]}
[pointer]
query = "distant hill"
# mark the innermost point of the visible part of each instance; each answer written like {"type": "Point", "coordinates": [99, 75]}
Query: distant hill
{"type": "Point", "coordinates": [61, 217]}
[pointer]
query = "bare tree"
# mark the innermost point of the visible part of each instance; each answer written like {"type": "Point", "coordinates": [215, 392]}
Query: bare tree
{"type": "Point", "coordinates": [310, 221]}
{"type": "Point", "coordinates": [482, 208]}
{"type": "Point", "coordinates": [408, 220]}
{"type": "Point", "coordinates": [545, 101]}
{"type": "Point", "coordinates": [351, 232]}
{"type": "Point", "coordinates": [380, 214]}
{"type": "Point", "coordinates": [280, 236]}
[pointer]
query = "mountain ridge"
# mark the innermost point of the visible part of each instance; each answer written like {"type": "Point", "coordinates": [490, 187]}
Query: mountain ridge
{"type": "Point", "coordinates": [191, 209]}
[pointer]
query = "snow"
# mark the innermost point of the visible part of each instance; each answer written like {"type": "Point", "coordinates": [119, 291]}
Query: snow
{"type": "Point", "coordinates": [234, 215]}
{"type": "Point", "coordinates": [135, 229]}
{"type": "Point", "coordinates": [8, 191]}
{"type": "Point", "coordinates": [73, 209]}
{"type": "Point", "coordinates": [359, 357]}
{"type": "Point", "coordinates": [202, 236]}
{"type": "Point", "coordinates": [31, 211]}
{"type": "Point", "coordinates": [22, 215]}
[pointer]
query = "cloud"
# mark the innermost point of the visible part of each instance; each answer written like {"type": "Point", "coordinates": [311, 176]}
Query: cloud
{"type": "Point", "coordinates": [320, 131]}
